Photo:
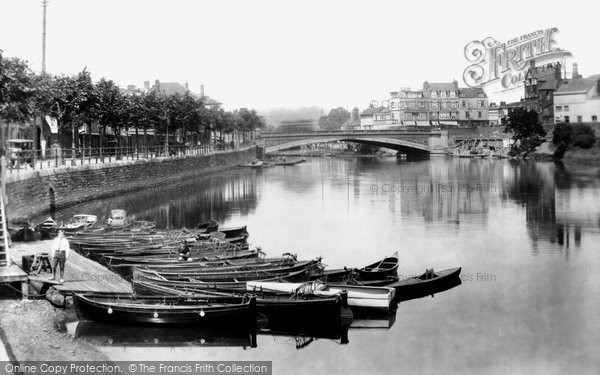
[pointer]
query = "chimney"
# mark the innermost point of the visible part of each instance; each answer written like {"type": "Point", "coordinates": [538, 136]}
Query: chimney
{"type": "Point", "coordinates": [146, 85]}
{"type": "Point", "coordinates": [186, 86]}
{"type": "Point", "coordinates": [575, 73]}
{"type": "Point", "coordinates": [202, 90]}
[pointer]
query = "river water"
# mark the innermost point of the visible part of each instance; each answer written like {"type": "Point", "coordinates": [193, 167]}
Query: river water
{"type": "Point", "coordinates": [526, 235]}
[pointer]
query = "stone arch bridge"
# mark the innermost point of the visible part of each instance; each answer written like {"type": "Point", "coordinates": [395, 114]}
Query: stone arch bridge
{"type": "Point", "coordinates": [406, 141]}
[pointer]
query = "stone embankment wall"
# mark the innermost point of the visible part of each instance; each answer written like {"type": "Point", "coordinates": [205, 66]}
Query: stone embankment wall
{"type": "Point", "coordinates": [46, 190]}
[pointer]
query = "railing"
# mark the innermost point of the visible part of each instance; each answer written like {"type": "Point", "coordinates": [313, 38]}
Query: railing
{"type": "Point", "coordinates": [55, 158]}
{"type": "Point", "coordinates": [404, 129]}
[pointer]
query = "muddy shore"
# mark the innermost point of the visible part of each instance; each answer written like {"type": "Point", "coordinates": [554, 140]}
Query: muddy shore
{"type": "Point", "coordinates": [34, 330]}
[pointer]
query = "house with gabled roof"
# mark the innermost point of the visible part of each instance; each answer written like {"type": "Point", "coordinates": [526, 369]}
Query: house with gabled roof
{"type": "Point", "coordinates": [172, 88]}
{"type": "Point", "coordinates": [578, 100]}
{"type": "Point", "coordinates": [540, 84]}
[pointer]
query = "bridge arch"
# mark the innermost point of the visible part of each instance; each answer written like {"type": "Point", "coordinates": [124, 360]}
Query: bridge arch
{"type": "Point", "coordinates": [392, 143]}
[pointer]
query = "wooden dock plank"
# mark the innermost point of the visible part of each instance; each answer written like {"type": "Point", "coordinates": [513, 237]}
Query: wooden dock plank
{"type": "Point", "coordinates": [81, 274]}
{"type": "Point", "coordinates": [11, 274]}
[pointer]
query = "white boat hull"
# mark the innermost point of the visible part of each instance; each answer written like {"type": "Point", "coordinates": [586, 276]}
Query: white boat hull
{"type": "Point", "coordinates": [358, 296]}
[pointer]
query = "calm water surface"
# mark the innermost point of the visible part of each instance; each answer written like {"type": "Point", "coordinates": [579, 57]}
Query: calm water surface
{"type": "Point", "coordinates": [526, 235]}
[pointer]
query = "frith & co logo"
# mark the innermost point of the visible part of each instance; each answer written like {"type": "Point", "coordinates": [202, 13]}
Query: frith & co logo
{"type": "Point", "coordinates": [506, 63]}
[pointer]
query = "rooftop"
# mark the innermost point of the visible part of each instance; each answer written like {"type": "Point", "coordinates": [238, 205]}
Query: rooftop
{"type": "Point", "coordinates": [472, 92]}
{"type": "Point", "coordinates": [578, 85]}
{"type": "Point", "coordinates": [440, 86]}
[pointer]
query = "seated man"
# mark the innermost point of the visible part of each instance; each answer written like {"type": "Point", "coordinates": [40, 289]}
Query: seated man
{"type": "Point", "coordinates": [184, 251]}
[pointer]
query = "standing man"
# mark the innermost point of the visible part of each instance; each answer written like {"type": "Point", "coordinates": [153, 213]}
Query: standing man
{"type": "Point", "coordinates": [60, 253]}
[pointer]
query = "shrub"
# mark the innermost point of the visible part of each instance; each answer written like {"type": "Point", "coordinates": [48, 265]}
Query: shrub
{"type": "Point", "coordinates": [583, 136]}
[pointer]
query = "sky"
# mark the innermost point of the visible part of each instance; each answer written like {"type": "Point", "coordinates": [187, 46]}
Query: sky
{"type": "Point", "coordinates": [271, 54]}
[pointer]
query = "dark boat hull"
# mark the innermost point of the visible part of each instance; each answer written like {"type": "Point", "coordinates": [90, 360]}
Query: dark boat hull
{"type": "Point", "coordinates": [236, 312]}
{"type": "Point", "coordinates": [417, 287]}
{"type": "Point", "coordinates": [379, 270]}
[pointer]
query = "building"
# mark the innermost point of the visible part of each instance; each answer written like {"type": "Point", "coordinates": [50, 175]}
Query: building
{"type": "Point", "coordinates": [353, 122]}
{"type": "Point", "coordinates": [578, 100]}
{"type": "Point", "coordinates": [540, 84]}
{"type": "Point", "coordinates": [172, 88]}
{"type": "Point", "coordinates": [473, 107]}
{"type": "Point", "coordinates": [494, 114]}
{"type": "Point", "coordinates": [436, 104]}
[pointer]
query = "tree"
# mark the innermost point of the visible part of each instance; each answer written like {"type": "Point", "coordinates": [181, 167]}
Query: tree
{"type": "Point", "coordinates": [16, 93]}
{"type": "Point", "coordinates": [525, 125]}
{"type": "Point", "coordinates": [110, 109]}
{"type": "Point", "coordinates": [335, 119]}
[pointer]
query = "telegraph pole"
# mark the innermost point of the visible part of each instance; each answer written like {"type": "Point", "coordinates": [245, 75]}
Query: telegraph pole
{"type": "Point", "coordinates": [44, 4]}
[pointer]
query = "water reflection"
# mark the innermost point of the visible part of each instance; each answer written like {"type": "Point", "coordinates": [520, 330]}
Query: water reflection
{"type": "Point", "coordinates": [100, 334]}
{"type": "Point", "coordinates": [533, 226]}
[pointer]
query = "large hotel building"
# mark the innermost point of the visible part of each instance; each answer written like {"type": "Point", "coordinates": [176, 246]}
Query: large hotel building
{"type": "Point", "coordinates": [436, 104]}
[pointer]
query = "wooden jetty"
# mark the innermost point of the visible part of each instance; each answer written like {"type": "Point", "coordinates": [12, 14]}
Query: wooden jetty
{"type": "Point", "coordinates": [81, 274]}
{"type": "Point", "coordinates": [9, 272]}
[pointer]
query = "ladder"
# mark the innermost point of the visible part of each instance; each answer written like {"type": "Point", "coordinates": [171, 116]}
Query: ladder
{"type": "Point", "coordinates": [4, 255]}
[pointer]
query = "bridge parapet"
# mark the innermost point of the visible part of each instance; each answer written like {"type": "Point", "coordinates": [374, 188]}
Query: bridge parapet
{"type": "Point", "coordinates": [419, 139]}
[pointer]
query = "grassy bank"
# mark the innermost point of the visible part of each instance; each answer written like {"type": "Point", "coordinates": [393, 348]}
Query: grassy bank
{"type": "Point", "coordinates": [581, 155]}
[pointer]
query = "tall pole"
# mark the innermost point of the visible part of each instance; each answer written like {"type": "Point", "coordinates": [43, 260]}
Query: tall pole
{"type": "Point", "coordinates": [44, 4]}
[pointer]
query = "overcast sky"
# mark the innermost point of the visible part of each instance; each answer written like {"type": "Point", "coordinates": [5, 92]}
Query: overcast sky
{"type": "Point", "coordinates": [264, 54]}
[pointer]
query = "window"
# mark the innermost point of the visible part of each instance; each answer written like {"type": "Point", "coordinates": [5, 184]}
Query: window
{"type": "Point", "coordinates": [467, 114]}
{"type": "Point", "coordinates": [594, 118]}
{"type": "Point", "coordinates": [579, 119]}
{"type": "Point", "coordinates": [548, 95]}
{"type": "Point", "coordinates": [567, 119]}
{"type": "Point", "coordinates": [453, 115]}
{"type": "Point", "coordinates": [434, 105]}
{"type": "Point", "coordinates": [464, 104]}
{"type": "Point", "coordinates": [566, 108]}
{"type": "Point", "coordinates": [558, 108]}
{"type": "Point", "coordinates": [479, 114]}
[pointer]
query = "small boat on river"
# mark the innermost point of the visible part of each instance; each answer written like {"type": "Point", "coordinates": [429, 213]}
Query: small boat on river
{"type": "Point", "coordinates": [378, 298]}
{"type": "Point", "coordinates": [426, 284]}
{"type": "Point", "coordinates": [165, 310]}
{"type": "Point", "coordinates": [380, 270]}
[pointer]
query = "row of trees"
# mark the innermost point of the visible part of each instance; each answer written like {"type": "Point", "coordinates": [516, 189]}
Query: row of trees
{"type": "Point", "coordinates": [76, 100]}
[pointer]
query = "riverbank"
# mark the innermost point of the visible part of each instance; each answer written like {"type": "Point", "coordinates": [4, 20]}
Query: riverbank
{"type": "Point", "coordinates": [34, 330]}
{"type": "Point", "coordinates": [581, 155]}
{"type": "Point", "coordinates": [49, 190]}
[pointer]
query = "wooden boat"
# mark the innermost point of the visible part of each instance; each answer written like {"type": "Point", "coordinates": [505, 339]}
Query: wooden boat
{"type": "Point", "coordinates": [117, 219]}
{"type": "Point", "coordinates": [208, 226]}
{"type": "Point", "coordinates": [380, 270]}
{"type": "Point", "coordinates": [130, 309]}
{"type": "Point", "coordinates": [367, 297]}
{"type": "Point", "coordinates": [426, 284]}
{"type": "Point", "coordinates": [277, 306]}
{"type": "Point", "coordinates": [235, 232]}
{"type": "Point", "coordinates": [243, 272]}
{"type": "Point", "coordinates": [198, 286]}
{"type": "Point", "coordinates": [79, 222]}
{"type": "Point", "coordinates": [47, 228]}
{"type": "Point", "coordinates": [289, 162]}
{"type": "Point", "coordinates": [24, 233]}
{"type": "Point", "coordinates": [156, 260]}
